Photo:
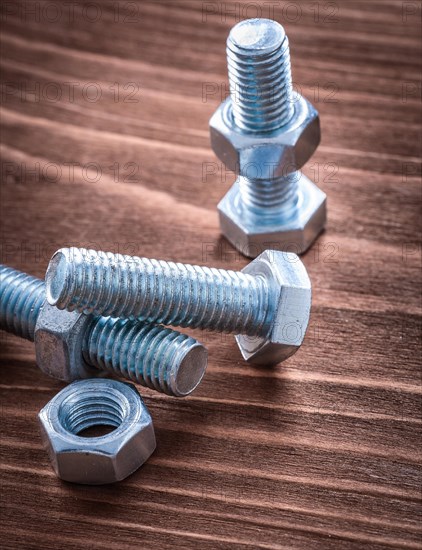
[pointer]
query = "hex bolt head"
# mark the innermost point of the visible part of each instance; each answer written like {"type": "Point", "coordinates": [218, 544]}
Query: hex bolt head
{"type": "Point", "coordinates": [58, 338]}
{"type": "Point", "coordinates": [291, 308]}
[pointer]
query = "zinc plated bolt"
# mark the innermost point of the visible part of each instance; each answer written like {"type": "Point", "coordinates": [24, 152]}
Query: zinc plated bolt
{"type": "Point", "coordinates": [70, 345]}
{"type": "Point", "coordinates": [265, 133]}
{"type": "Point", "coordinates": [267, 304]}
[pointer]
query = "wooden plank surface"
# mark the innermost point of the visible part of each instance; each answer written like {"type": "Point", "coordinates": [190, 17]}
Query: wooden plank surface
{"type": "Point", "coordinates": [105, 143]}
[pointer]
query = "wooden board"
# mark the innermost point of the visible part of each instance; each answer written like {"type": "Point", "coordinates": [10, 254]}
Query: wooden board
{"type": "Point", "coordinates": [105, 143]}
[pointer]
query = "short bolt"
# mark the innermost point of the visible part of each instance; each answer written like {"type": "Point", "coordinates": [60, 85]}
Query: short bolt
{"type": "Point", "coordinates": [260, 76]}
{"type": "Point", "coordinates": [154, 356]}
{"type": "Point", "coordinates": [265, 133]}
{"type": "Point", "coordinates": [267, 304]}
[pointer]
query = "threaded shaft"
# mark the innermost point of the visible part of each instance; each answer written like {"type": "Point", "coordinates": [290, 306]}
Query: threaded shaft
{"type": "Point", "coordinates": [258, 59]}
{"type": "Point", "coordinates": [271, 196]}
{"type": "Point", "coordinates": [164, 292]}
{"type": "Point", "coordinates": [21, 299]}
{"type": "Point", "coordinates": [156, 357]}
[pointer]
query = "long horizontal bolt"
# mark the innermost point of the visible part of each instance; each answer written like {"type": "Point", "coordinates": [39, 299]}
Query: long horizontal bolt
{"type": "Point", "coordinates": [71, 346]}
{"type": "Point", "coordinates": [267, 304]}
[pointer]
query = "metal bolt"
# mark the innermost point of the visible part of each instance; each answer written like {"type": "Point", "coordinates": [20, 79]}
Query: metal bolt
{"type": "Point", "coordinates": [70, 345]}
{"type": "Point", "coordinates": [265, 133]}
{"type": "Point", "coordinates": [258, 60]}
{"type": "Point", "coordinates": [267, 304]}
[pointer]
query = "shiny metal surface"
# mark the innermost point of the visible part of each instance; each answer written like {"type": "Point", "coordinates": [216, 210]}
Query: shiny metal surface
{"type": "Point", "coordinates": [70, 345]}
{"type": "Point", "coordinates": [266, 155]}
{"type": "Point", "coordinates": [291, 226]}
{"type": "Point", "coordinates": [97, 460]}
{"type": "Point", "coordinates": [58, 338]}
{"type": "Point", "coordinates": [258, 61]}
{"type": "Point", "coordinates": [291, 308]}
{"type": "Point", "coordinates": [265, 133]}
{"type": "Point", "coordinates": [246, 302]}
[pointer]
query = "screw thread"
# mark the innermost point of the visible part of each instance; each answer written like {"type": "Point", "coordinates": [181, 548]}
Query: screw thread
{"type": "Point", "coordinates": [259, 68]}
{"type": "Point", "coordinates": [270, 196]}
{"type": "Point", "coordinates": [157, 291]}
{"type": "Point", "coordinates": [156, 357]}
{"type": "Point", "coordinates": [21, 299]}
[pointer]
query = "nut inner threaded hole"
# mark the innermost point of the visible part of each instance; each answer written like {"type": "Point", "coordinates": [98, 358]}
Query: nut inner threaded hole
{"type": "Point", "coordinates": [80, 412]}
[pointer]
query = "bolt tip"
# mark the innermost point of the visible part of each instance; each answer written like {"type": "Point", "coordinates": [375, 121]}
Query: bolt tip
{"type": "Point", "coordinates": [56, 277]}
{"type": "Point", "coordinates": [190, 371]}
{"type": "Point", "coordinates": [257, 35]}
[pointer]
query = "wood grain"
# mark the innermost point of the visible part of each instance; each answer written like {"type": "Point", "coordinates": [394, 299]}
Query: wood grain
{"type": "Point", "coordinates": [322, 452]}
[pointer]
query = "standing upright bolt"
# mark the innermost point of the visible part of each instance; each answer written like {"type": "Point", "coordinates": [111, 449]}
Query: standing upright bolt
{"type": "Point", "coordinates": [71, 345]}
{"type": "Point", "coordinates": [265, 133]}
{"type": "Point", "coordinates": [267, 304]}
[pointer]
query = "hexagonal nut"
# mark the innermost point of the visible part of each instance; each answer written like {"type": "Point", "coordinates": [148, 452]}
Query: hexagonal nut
{"type": "Point", "coordinates": [293, 229]}
{"type": "Point", "coordinates": [291, 299]}
{"type": "Point", "coordinates": [58, 344]}
{"type": "Point", "coordinates": [265, 156]}
{"type": "Point", "coordinates": [97, 460]}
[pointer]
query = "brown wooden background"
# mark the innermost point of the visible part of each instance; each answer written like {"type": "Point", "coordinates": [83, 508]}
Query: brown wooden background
{"type": "Point", "coordinates": [322, 451]}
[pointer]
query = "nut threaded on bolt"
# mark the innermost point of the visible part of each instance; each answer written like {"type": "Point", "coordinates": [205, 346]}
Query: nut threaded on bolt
{"type": "Point", "coordinates": [21, 298]}
{"type": "Point", "coordinates": [265, 132]}
{"type": "Point", "coordinates": [157, 291]}
{"type": "Point", "coordinates": [260, 77]}
{"type": "Point", "coordinates": [154, 356]}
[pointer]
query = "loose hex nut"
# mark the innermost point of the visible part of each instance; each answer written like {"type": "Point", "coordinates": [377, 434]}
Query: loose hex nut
{"type": "Point", "coordinates": [97, 460]}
